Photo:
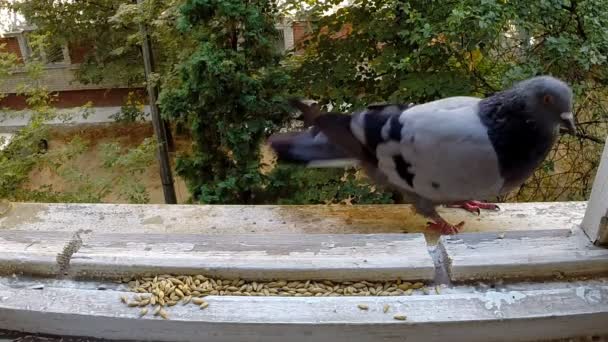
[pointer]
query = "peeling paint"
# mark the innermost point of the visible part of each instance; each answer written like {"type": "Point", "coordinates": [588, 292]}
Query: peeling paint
{"type": "Point", "coordinates": [493, 299]}
{"type": "Point", "coordinates": [589, 295]}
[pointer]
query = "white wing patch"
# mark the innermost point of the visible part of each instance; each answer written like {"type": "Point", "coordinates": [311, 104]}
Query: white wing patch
{"type": "Point", "coordinates": [448, 150]}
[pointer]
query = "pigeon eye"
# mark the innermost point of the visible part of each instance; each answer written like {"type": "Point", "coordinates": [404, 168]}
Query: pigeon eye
{"type": "Point", "coordinates": [547, 99]}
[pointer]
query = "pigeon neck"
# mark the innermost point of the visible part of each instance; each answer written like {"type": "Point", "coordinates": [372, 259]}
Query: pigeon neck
{"type": "Point", "coordinates": [520, 142]}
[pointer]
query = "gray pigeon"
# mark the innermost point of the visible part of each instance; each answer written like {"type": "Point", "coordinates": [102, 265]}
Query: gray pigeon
{"type": "Point", "coordinates": [446, 152]}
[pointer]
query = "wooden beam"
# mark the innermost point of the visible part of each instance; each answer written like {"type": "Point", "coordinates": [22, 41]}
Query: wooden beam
{"type": "Point", "coordinates": [522, 315]}
{"type": "Point", "coordinates": [595, 222]}
{"type": "Point", "coordinates": [33, 253]}
{"type": "Point", "coordinates": [255, 257]}
{"type": "Point", "coordinates": [523, 254]}
{"type": "Point", "coordinates": [235, 219]}
{"type": "Point", "coordinates": [258, 257]}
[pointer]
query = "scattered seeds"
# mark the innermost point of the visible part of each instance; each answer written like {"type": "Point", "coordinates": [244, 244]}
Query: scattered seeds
{"type": "Point", "coordinates": [400, 317]}
{"type": "Point", "coordinates": [198, 301]}
{"type": "Point", "coordinates": [163, 314]}
{"type": "Point", "coordinates": [417, 285]}
{"type": "Point", "coordinates": [161, 291]}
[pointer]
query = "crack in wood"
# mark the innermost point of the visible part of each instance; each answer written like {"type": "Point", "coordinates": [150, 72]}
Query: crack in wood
{"type": "Point", "coordinates": [63, 258]}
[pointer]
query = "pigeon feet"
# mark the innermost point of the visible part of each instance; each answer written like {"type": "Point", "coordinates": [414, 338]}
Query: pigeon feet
{"type": "Point", "coordinates": [475, 206]}
{"type": "Point", "coordinates": [445, 228]}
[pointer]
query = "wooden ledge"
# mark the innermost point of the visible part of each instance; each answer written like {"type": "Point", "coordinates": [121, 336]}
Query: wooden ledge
{"type": "Point", "coordinates": [247, 256]}
{"type": "Point", "coordinates": [523, 254]}
{"type": "Point", "coordinates": [313, 219]}
{"type": "Point", "coordinates": [471, 316]}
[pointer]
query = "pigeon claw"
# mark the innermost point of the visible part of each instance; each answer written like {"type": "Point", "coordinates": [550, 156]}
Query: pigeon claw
{"type": "Point", "coordinates": [475, 206]}
{"type": "Point", "coordinates": [445, 228]}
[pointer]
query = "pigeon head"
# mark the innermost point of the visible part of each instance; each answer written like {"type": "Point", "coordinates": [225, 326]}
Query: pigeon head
{"type": "Point", "coordinates": [549, 101]}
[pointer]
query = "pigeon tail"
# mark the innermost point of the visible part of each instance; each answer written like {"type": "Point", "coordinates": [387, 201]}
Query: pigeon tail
{"type": "Point", "coordinates": [309, 148]}
{"type": "Point", "coordinates": [310, 112]}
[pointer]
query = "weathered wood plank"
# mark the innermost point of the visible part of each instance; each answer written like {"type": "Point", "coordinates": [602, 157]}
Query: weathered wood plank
{"type": "Point", "coordinates": [225, 219]}
{"type": "Point", "coordinates": [33, 253]}
{"type": "Point", "coordinates": [258, 257]}
{"type": "Point", "coordinates": [248, 256]}
{"type": "Point", "coordinates": [523, 254]}
{"type": "Point", "coordinates": [488, 316]}
{"type": "Point", "coordinates": [595, 221]}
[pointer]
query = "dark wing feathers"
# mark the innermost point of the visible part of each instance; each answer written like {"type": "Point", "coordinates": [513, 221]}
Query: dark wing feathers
{"type": "Point", "coordinates": [331, 137]}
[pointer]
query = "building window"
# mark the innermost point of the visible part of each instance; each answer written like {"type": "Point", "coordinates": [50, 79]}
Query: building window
{"type": "Point", "coordinates": [280, 43]}
{"type": "Point", "coordinates": [54, 54]}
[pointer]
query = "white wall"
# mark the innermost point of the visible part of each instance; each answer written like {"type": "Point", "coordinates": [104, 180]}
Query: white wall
{"type": "Point", "coordinates": [17, 119]}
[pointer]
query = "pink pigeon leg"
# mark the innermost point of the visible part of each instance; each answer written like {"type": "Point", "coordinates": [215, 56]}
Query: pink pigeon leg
{"type": "Point", "coordinates": [443, 227]}
{"type": "Point", "coordinates": [475, 206]}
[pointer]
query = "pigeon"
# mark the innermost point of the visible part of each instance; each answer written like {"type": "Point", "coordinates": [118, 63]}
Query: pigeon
{"type": "Point", "coordinates": [452, 151]}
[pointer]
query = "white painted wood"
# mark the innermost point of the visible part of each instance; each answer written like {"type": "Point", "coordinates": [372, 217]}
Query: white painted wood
{"type": "Point", "coordinates": [522, 254]}
{"type": "Point", "coordinates": [595, 222]}
{"type": "Point", "coordinates": [31, 252]}
{"type": "Point", "coordinates": [258, 257]}
{"type": "Point", "coordinates": [489, 316]}
{"type": "Point", "coordinates": [226, 219]}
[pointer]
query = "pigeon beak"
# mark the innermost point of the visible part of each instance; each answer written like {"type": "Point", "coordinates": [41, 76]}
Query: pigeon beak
{"type": "Point", "coordinates": [568, 122]}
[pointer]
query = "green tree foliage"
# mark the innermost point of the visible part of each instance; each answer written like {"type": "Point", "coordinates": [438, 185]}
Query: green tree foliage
{"type": "Point", "coordinates": [416, 51]}
{"type": "Point", "coordinates": [107, 32]}
{"type": "Point", "coordinates": [297, 185]}
{"type": "Point", "coordinates": [26, 152]}
{"type": "Point", "coordinates": [230, 94]}
{"type": "Point", "coordinates": [221, 76]}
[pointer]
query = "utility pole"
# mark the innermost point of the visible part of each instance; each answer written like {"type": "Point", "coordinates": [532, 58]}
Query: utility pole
{"type": "Point", "coordinates": [160, 129]}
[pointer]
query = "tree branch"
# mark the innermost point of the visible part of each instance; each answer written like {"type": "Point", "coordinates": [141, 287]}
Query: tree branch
{"type": "Point", "coordinates": [579, 24]}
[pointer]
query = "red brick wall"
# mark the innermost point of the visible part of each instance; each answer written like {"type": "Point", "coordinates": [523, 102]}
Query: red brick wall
{"type": "Point", "coordinates": [11, 44]}
{"type": "Point", "coordinates": [78, 51]}
{"type": "Point", "coordinates": [76, 98]}
{"type": "Point", "coordinates": [300, 34]}
{"type": "Point", "coordinates": [302, 31]}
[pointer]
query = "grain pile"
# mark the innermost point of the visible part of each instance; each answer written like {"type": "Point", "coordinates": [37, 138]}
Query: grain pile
{"type": "Point", "coordinates": [167, 290]}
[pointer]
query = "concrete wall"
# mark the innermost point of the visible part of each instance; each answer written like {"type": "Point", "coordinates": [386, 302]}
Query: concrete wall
{"type": "Point", "coordinates": [11, 121]}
